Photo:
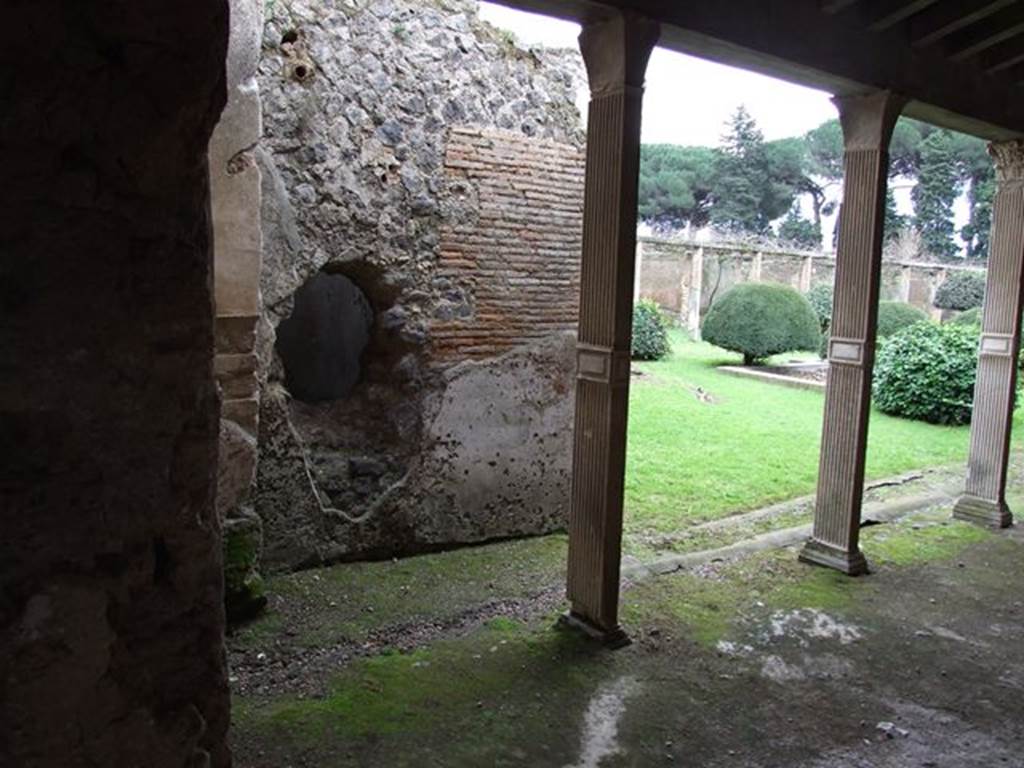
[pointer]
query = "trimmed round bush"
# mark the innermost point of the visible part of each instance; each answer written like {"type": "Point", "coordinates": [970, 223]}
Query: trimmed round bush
{"type": "Point", "coordinates": [970, 317]}
{"type": "Point", "coordinates": [761, 319]}
{"type": "Point", "coordinates": [650, 331]}
{"type": "Point", "coordinates": [926, 372]}
{"type": "Point", "coordinates": [961, 290]}
{"type": "Point", "coordinates": [894, 316]}
{"type": "Point", "coordinates": [820, 297]}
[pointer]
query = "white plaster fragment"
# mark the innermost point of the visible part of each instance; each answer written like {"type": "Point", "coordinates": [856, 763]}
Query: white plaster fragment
{"type": "Point", "coordinates": [811, 623]}
{"type": "Point", "coordinates": [600, 737]}
{"type": "Point", "coordinates": [774, 668]}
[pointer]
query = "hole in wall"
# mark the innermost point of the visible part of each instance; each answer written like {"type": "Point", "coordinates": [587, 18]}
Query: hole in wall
{"type": "Point", "coordinates": [321, 343]}
{"type": "Point", "coordinates": [289, 37]}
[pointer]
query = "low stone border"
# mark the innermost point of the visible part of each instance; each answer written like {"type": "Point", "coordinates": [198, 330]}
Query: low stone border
{"type": "Point", "coordinates": [874, 513]}
{"type": "Point", "coordinates": [744, 372]}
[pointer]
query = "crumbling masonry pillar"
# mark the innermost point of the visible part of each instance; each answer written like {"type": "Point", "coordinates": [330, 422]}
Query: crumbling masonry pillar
{"type": "Point", "coordinates": [867, 122]}
{"type": "Point", "coordinates": [615, 51]}
{"type": "Point", "coordinates": [984, 498]}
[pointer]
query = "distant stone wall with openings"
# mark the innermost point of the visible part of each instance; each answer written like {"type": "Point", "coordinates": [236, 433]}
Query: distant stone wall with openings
{"type": "Point", "coordinates": [685, 278]}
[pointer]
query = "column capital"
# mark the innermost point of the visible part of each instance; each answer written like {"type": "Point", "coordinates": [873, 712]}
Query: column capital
{"type": "Point", "coordinates": [868, 118]}
{"type": "Point", "coordinates": [616, 49]}
{"type": "Point", "coordinates": [1008, 157]}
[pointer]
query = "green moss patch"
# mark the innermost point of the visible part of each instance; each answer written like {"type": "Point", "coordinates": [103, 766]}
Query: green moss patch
{"type": "Point", "coordinates": [350, 601]}
{"type": "Point", "coordinates": [903, 544]}
{"type": "Point", "coordinates": [463, 697]}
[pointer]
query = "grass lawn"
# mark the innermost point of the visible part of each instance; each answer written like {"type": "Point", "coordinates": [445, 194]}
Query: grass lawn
{"type": "Point", "coordinates": [691, 460]}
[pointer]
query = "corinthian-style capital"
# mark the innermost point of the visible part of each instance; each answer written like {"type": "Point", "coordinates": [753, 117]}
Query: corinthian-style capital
{"type": "Point", "coordinates": [868, 118]}
{"type": "Point", "coordinates": [616, 49]}
{"type": "Point", "coordinates": [1008, 157]}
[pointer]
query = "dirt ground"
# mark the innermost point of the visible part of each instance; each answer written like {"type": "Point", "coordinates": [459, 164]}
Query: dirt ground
{"type": "Point", "coordinates": [455, 659]}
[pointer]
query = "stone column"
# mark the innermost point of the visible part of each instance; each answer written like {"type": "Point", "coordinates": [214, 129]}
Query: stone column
{"type": "Point", "coordinates": [756, 266]}
{"type": "Point", "coordinates": [906, 273]}
{"type": "Point", "coordinates": [235, 203]}
{"type": "Point", "coordinates": [237, 236]}
{"type": "Point", "coordinates": [615, 51]}
{"type": "Point", "coordinates": [937, 279]}
{"type": "Point", "coordinates": [806, 271]}
{"type": "Point", "coordinates": [867, 122]}
{"type": "Point", "coordinates": [696, 293]}
{"type": "Point", "coordinates": [984, 498]}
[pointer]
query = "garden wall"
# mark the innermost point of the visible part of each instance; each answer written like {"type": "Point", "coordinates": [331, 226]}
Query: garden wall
{"type": "Point", "coordinates": [684, 278]}
{"type": "Point", "coordinates": [422, 179]}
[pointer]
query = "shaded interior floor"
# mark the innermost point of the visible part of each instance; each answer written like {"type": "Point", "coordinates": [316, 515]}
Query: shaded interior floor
{"type": "Point", "coordinates": [455, 660]}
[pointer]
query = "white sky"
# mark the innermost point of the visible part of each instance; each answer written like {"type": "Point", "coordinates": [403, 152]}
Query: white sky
{"type": "Point", "coordinates": [688, 100]}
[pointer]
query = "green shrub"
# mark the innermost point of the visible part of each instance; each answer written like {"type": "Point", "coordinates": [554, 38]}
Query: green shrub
{"type": "Point", "coordinates": [894, 316]}
{"type": "Point", "coordinates": [650, 332]}
{"type": "Point", "coordinates": [970, 317]}
{"type": "Point", "coordinates": [762, 319]}
{"type": "Point", "coordinates": [820, 297]}
{"type": "Point", "coordinates": [927, 371]}
{"type": "Point", "coordinates": [961, 290]}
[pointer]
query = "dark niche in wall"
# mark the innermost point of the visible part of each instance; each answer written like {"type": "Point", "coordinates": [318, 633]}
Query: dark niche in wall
{"type": "Point", "coordinates": [322, 341]}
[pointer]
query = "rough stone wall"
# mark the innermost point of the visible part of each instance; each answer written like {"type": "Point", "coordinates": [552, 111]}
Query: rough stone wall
{"type": "Point", "coordinates": [440, 442]}
{"type": "Point", "coordinates": [664, 274]}
{"type": "Point", "coordinates": [111, 617]}
{"type": "Point", "coordinates": [723, 270]}
{"type": "Point", "coordinates": [823, 271]}
{"type": "Point", "coordinates": [783, 269]}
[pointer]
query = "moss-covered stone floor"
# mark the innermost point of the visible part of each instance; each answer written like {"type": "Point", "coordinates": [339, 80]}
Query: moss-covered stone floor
{"type": "Point", "coordinates": [454, 659]}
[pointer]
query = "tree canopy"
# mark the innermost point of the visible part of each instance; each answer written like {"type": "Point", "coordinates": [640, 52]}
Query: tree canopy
{"type": "Point", "coordinates": [750, 186]}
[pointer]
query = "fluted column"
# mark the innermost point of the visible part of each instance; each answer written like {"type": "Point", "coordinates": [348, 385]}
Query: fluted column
{"type": "Point", "coordinates": [984, 498]}
{"type": "Point", "coordinates": [867, 122]}
{"type": "Point", "coordinates": [615, 51]}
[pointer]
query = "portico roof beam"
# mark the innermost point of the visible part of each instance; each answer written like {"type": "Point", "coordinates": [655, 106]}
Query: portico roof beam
{"type": "Point", "coordinates": [835, 6]}
{"type": "Point", "coordinates": [1015, 73]}
{"type": "Point", "coordinates": [1005, 25]}
{"type": "Point", "coordinates": [1004, 55]}
{"type": "Point", "coordinates": [945, 19]}
{"type": "Point", "coordinates": [887, 14]}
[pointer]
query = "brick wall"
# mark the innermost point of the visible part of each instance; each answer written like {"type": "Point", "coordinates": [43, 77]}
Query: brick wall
{"type": "Point", "coordinates": [516, 252]}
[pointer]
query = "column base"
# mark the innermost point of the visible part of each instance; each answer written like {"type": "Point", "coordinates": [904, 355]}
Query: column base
{"type": "Point", "coordinates": [610, 638]}
{"type": "Point", "coordinates": [819, 553]}
{"type": "Point", "coordinates": [974, 509]}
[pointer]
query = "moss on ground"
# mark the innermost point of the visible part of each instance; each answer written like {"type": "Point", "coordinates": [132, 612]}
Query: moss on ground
{"type": "Point", "coordinates": [470, 695]}
{"type": "Point", "coordinates": [920, 539]}
{"type": "Point", "coordinates": [709, 602]}
{"type": "Point", "coordinates": [351, 601]}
